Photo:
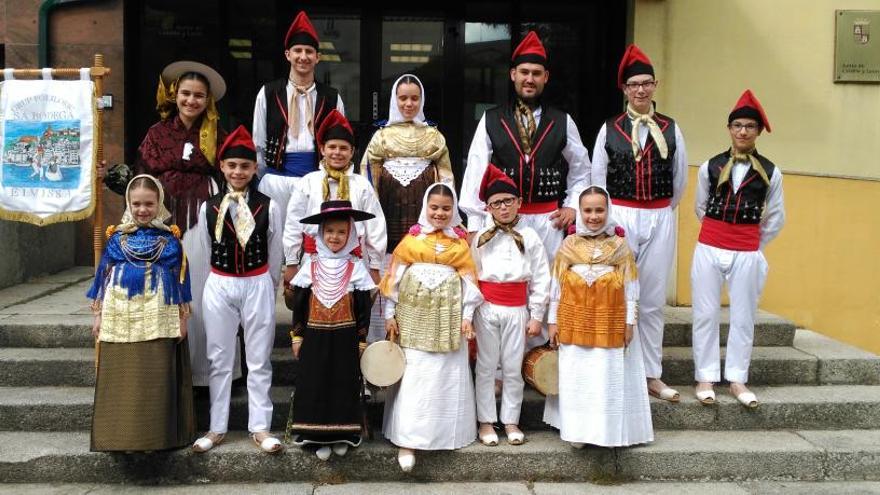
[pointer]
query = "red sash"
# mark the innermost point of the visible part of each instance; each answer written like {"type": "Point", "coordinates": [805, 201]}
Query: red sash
{"type": "Point", "coordinates": [648, 204]}
{"type": "Point", "coordinates": [505, 293]}
{"type": "Point", "coordinates": [736, 237]}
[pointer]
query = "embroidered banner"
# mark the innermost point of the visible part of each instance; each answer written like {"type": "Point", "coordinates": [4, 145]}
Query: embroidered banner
{"type": "Point", "coordinates": [47, 150]}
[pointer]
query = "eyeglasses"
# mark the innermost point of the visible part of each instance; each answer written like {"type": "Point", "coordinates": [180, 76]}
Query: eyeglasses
{"type": "Point", "coordinates": [502, 202]}
{"type": "Point", "coordinates": [736, 127]}
{"type": "Point", "coordinates": [648, 85]}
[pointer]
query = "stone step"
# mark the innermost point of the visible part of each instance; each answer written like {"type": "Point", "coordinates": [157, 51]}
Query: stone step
{"type": "Point", "coordinates": [464, 488]}
{"type": "Point", "coordinates": [22, 330]}
{"type": "Point", "coordinates": [814, 360]}
{"type": "Point", "coordinates": [32, 329]}
{"type": "Point", "coordinates": [807, 455]}
{"type": "Point", "coordinates": [782, 407]}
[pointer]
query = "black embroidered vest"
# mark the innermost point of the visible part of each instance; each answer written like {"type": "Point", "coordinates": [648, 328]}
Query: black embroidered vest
{"type": "Point", "coordinates": [541, 177]}
{"type": "Point", "coordinates": [227, 256]}
{"type": "Point", "coordinates": [651, 178]}
{"type": "Point", "coordinates": [276, 118]}
{"type": "Point", "coordinates": [746, 204]}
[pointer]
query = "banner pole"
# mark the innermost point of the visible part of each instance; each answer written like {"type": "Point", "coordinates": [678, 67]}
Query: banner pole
{"type": "Point", "coordinates": [98, 228]}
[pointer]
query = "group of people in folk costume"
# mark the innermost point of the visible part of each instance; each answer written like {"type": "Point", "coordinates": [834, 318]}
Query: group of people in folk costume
{"type": "Point", "coordinates": [555, 250]}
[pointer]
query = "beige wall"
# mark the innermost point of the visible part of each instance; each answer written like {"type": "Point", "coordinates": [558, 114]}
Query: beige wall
{"type": "Point", "coordinates": [824, 267]}
{"type": "Point", "coordinates": [706, 52]}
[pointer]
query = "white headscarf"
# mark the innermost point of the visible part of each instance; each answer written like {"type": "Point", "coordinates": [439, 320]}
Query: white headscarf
{"type": "Point", "coordinates": [394, 115]}
{"type": "Point", "coordinates": [455, 221]}
{"type": "Point", "coordinates": [610, 224]}
{"type": "Point", "coordinates": [329, 261]}
{"type": "Point", "coordinates": [128, 224]}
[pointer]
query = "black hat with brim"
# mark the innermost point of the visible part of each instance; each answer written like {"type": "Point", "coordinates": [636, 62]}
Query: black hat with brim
{"type": "Point", "coordinates": [331, 210]}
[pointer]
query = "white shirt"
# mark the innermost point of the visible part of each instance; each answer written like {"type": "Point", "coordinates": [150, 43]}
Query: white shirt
{"type": "Point", "coordinates": [499, 260]}
{"type": "Point", "coordinates": [575, 153]}
{"type": "Point", "coordinates": [773, 217]}
{"type": "Point", "coordinates": [679, 161]}
{"type": "Point", "coordinates": [273, 241]}
{"type": "Point", "coordinates": [306, 199]}
{"type": "Point", "coordinates": [305, 140]}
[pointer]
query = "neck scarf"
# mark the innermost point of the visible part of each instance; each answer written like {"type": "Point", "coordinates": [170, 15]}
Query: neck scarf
{"type": "Point", "coordinates": [525, 124]}
{"type": "Point", "coordinates": [581, 228]}
{"type": "Point", "coordinates": [394, 115]}
{"type": "Point", "coordinates": [128, 224]}
{"type": "Point", "coordinates": [507, 229]}
{"type": "Point", "coordinates": [748, 157]}
{"type": "Point", "coordinates": [244, 220]}
{"type": "Point", "coordinates": [340, 176]}
{"type": "Point", "coordinates": [166, 103]}
{"type": "Point", "coordinates": [293, 109]}
{"type": "Point", "coordinates": [656, 134]}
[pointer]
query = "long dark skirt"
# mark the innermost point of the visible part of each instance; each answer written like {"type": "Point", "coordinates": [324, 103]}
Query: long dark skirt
{"type": "Point", "coordinates": [327, 405]}
{"type": "Point", "coordinates": [402, 205]}
{"type": "Point", "coordinates": [143, 397]}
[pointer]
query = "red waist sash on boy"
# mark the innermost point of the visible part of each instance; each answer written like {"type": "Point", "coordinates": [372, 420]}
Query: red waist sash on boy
{"type": "Point", "coordinates": [538, 208]}
{"type": "Point", "coordinates": [732, 236]}
{"type": "Point", "coordinates": [256, 271]}
{"type": "Point", "coordinates": [505, 293]}
{"type": "Point", "coordinates": [648, 204]}
{"type": "Point", "coordinates": [310, 247]}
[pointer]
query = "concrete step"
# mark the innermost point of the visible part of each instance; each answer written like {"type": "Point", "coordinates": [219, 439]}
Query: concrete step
{"type": "Point", "coordinates": [465, 488]}
{"type": "Point", "coordinates": [56, 314]}
{"type": "Point", "coordinates": [782, 407]}
{"type": "Point", "coordinates": [814, 360]}
{"type": "Point", "coordinates": [674, 455]}
{"type": "Point", "coordinates": [53, 330]}
{"type": "Point", "coordinates": [40, 287]}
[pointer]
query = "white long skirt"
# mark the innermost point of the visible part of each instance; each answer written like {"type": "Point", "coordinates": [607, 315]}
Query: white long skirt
{"type": "Point", "coordinates": [199, 264]}
{"type": "Point", "coordinates": [603, 399]}
{"type": "Point", "coordinates": [432, 407]}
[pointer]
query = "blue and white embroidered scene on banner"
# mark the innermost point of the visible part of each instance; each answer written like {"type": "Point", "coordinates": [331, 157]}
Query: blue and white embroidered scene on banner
{"type": "Point", "coordinates": [47, 150]}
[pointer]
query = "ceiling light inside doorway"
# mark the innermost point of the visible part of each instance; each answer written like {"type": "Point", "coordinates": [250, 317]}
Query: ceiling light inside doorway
{"type": "Point", "coordinates": [409, 59]}
{"type": "Point", "coordinates": [411, 47]}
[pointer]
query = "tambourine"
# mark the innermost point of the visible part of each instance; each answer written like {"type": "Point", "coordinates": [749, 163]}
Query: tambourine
{"type": "Point", "coordinates": [383, 363]}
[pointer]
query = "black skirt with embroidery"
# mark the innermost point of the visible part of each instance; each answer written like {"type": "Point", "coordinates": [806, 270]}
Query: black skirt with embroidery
{"type": "Point", "coordinates": [326, 406]}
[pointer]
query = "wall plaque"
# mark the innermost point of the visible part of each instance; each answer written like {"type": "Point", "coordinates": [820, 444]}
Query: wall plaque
{"type": "Point", "coordinates": [857, 46]}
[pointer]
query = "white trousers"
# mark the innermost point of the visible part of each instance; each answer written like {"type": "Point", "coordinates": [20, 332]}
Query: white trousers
{"type": "Point", "coordinates": [650, 234]}
{"type": "Point", "coordinates": [501, 332]}
{"type": "Point", "coordinates": [199, 268]}
{"type": "Point", "coordinates": [228, 302]}
{"type": "Point", "coordinates": [279, 188]}
{"type": "Point", "coordinates": [552, 238]}
{"type": "Point", "coordinates": [745, 273]}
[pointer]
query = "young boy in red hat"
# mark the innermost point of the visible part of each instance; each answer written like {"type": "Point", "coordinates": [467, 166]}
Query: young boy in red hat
{"type": "Point", "coordinates": [243, 234]}
{"type": "Point", "coordinates": [514, 278]}
{"type": "Point", "coordinates": [640, 158]}
{"type": "Point", "coordinates": [288, 112]}
{"type": "Point", "coordinates": [740, 204]}
{"type": "Point", "coordinates": [334, 180]}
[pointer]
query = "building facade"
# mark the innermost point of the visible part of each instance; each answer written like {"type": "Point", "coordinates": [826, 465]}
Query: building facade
{"type": "Point", "coordinates": [825, 135]}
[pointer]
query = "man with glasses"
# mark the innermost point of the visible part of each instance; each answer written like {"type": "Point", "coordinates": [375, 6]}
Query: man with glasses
{"type": "Point", "coordinates": [640, 158]}
{"type": "Point", "coordinates": [537, 146]}
{"type": "Point", "coordinates": [739, 202]}
{"type": "Point", "coordinates": [287, 113]}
